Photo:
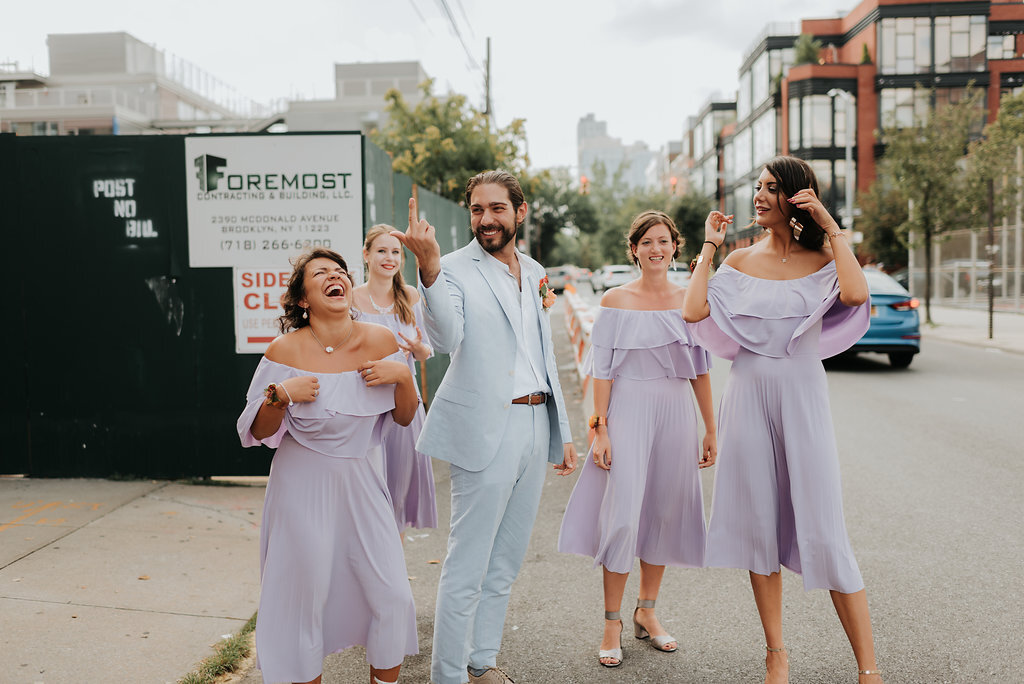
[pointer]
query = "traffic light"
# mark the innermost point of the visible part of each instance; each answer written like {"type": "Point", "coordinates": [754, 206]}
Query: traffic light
{"type": "Point", "coordinates": [584, 185]}
{"type": "Point", "coordinates": [673, 181]}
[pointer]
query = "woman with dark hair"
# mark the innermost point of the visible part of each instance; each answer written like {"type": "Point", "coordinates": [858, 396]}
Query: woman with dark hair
{"type": "Point", "coordinates": [333, 574]}
{"type": "Point", "coordinates": [776, 309]}
{"type": "Point", "coordinates": [649, 503]}
{"type": "Point", "coordinates": [386, 300]}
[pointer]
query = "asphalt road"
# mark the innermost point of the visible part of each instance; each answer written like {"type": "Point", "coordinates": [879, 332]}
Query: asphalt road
{"type": "Point", "coordinates": [933, 482]}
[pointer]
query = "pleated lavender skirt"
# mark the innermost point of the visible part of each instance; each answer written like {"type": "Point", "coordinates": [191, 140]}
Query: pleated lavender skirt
{"type": "Point", "coordinates": [649, 505]}
{"type": "Point", "coordinates": [333, 572]}
{"type": "Point", "coordinates": [409, 475]}
{"type": "Point", "coordinates": [778, 496]}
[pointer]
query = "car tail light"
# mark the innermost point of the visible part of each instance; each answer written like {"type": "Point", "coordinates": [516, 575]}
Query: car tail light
{"type": "Point", "coordinates": [908, 305]}
{"type": "Point", "coordinates": [910, 337]}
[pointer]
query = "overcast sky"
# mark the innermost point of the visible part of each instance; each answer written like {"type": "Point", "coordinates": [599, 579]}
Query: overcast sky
{"type": "Point", "coordinates": [643, 66]}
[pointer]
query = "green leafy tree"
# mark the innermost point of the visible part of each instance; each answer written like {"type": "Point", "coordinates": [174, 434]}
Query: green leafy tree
{"type": "Point", "coordinates": [562, 222]}
{"type": "Point", "coordinates": [883, 211]}
{"type": "Point", "coordinates": [926, 162]}
{"type": "Point", "coordinates": [443, 141]}
{"type": "Point", "coordinates": [689, 213]}
{"type": "Point", "coordinates": [994, 157]}
{"type": "Point", "coordinates": [806, 49]}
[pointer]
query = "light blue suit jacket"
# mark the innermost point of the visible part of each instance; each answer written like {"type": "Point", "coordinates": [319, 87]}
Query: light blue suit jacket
{"type": "Point", "coordinates": [465, 317]}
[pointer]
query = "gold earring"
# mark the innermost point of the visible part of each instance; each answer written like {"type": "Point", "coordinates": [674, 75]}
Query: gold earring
{"type": "Point", "coordinates": [797, 228]}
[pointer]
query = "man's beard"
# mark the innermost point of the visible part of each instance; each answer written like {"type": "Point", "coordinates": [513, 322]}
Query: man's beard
{"type": "Point", "coordinates": [497, 242]}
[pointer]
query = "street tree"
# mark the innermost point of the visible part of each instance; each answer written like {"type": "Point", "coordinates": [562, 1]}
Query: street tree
{"type": "Point", "coordinates": [883, 210]}
{"type": "Point", "coordinates": [441, 142]}
{"type": "Point", "coordinates": [562, 221]}
{"type": "Point", "coordinates": [926, 163]}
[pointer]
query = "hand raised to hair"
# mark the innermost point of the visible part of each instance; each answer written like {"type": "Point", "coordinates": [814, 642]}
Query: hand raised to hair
{"type": "Point", "coordinates": [807, 200]}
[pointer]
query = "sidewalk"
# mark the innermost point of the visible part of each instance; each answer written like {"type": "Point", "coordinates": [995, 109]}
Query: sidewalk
{"type": "Point", "coordinates": [970, 326]}
{"type": "Point", "coordinates": [104, 581]}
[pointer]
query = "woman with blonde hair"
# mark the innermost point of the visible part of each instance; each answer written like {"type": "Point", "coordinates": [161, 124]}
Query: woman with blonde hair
{"type": "Point", "coordinates": [386, 300]}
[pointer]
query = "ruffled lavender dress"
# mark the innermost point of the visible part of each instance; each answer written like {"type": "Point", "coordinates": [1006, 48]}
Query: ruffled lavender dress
{"type": "Point", "coordinates": [777, 496]}
{"type": "Point", "coordinates": [649, 505]}
{"type": "Point", "coordinates": [333, 573]}
{"type": "Point", "coordinates": [408, 473]}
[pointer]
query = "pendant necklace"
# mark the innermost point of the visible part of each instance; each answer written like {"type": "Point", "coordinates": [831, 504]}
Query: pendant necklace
{"type": "Point", "coordinates": [330, 349]}
{"type": "Point", "coordinates": [380, 309]}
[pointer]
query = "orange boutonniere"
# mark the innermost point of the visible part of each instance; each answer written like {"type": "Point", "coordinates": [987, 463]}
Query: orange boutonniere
{"type": "Point", "coordinates": [547, 295]}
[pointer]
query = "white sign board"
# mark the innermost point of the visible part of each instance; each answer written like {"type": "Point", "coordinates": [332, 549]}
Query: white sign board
{"type": "Point", "coordinates": [256, 201]}
{"type": "Point", "coordinates": [257, 306]}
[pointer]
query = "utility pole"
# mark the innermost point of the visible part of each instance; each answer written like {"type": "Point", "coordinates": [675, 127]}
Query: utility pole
{"type": "Point", "coordinates": [487, 86]}
{"type": "Point", "coordinates": [991, 248]}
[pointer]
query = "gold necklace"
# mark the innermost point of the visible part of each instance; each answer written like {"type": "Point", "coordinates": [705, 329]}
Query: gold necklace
{"type": "Point", "coordinates": [327, 348]}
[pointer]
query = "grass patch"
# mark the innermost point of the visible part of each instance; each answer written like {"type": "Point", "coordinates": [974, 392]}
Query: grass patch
{"type": "Point", "coordinates": [229, 653]}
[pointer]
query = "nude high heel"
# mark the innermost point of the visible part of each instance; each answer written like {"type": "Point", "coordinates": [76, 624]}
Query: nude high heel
{"type": "Point", "coordinates": [640, 632]}
{"type": "Point", "coordinates": [612, 653]}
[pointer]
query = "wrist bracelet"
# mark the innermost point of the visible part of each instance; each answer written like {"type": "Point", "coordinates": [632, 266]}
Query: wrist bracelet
{"type": "Point", "coordinates": [286, 393]}
{"type": "Point", "coordinates": [709, 242]}
{"type": "Point", "coordinates": [272, 399]}
{"type": "Point", "coordinates": [839, 233]}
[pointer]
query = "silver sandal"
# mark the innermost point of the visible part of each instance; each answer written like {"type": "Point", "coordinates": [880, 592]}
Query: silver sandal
{"type": "Point", "coordinates": [615, 653]}
{"type": "Point", "coordinates": [640, 632]}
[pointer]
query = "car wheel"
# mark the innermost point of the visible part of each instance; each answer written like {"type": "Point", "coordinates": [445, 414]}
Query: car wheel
{"type": "Point", "coordinates": [900, 359]}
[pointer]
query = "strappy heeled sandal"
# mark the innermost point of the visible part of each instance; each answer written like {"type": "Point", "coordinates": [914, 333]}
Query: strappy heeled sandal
{"type": "Point", "coordinates": [640, 632]}
{"type": "Point", "coordinates": [613, 653]}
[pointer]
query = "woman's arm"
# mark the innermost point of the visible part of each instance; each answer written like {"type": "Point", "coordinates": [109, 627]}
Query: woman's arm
{"type": "Point", "coordinates": [602, 447]}
{"type": "Point", "coordinates": [709, 447]}
{"type": "Point", "coordinates": [853, 287]}
{"type": "Point", "coordinates": [695, 304]}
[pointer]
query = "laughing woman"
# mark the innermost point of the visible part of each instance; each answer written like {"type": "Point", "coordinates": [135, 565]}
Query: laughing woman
{"type": "Point", "coordinates": [776, 309]}
{"type": "Point", "coordinates": [639, 495]}
{"type": "Point", "coordinates": [332, 571]}
{"type": "Point", "coordinates": [385, 299]}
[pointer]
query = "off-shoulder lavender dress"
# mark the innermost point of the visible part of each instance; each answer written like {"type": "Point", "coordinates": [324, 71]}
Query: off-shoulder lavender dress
{"type": "Point", "coordinates": [777, 497]}
{"type": "Point", "coordinates": [408, 473]}
{"type": "Point", "coordinates": [649, 505]}
{"type": "Point", "coordinates": [333, 573]}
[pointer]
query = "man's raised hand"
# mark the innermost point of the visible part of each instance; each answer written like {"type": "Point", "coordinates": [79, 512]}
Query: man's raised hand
{"type": "Point", "coordinates": [421, 240]}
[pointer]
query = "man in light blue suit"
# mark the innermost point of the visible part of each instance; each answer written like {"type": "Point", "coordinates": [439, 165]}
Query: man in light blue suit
{"type": "Point", "coordinates": [498, 417]}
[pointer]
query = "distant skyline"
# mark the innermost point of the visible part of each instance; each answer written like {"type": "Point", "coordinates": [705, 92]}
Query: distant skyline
{"type": "Point", "coordinates": [643, 66]}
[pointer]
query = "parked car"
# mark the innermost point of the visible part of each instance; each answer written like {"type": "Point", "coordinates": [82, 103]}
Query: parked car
{"type": "Point", "coordinates": [610, 276]}
{"type": "Point", "coordinates": [559, 277]}
{"type": "Point", "coordinates": [895, 324]}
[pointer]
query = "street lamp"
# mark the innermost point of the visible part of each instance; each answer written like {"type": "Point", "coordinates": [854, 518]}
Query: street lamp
{"type": "Point", "coordinates": [850, 132]}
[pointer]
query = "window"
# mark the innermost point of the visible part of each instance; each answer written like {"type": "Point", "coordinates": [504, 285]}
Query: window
{"type": "Point", "coordinates": [764, 137]}
{"type": "Point", "coordinates": [960, 43]}
{"type": "Point", "coordinates": [761, 80]}
{"type": "Point", "coordinates": [743, 97]}
{"type": "Point", "coordinates": [903, 106]}
{"type": "Point", "coordinates": [744, 152]}
{"type": "Point", "coordinates": [1002, 47]}
{"type": "Point", "coordinates": [794, 124]}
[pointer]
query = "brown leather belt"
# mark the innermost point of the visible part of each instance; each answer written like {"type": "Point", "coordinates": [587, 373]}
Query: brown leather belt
{"type": "Point", "coordinates": [532, 399]}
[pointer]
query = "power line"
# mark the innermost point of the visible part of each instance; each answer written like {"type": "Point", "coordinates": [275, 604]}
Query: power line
{"type": "Point", "coordinates": [465, 18]}
{"type": "Point", "coordinates": [423, 19]}
{"type": "Point", "coordinates": [447, 11]}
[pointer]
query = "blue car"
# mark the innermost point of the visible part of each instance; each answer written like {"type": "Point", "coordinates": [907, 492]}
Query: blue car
{"type": "Point", "coordinates": [895, 326]}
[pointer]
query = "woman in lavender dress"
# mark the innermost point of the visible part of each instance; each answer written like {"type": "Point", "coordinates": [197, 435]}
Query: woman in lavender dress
{"type": "Point", "coordinates": [776, 309]}
{"type": "Point", "coordinates": [332, 571]}
{"type": "Point", "coordinates": [385, 299]}
{"type": "Point", "coordinates": [639, 493]}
